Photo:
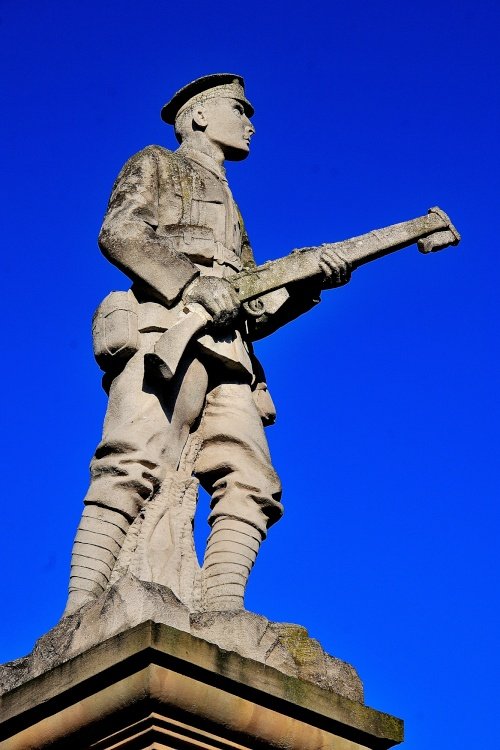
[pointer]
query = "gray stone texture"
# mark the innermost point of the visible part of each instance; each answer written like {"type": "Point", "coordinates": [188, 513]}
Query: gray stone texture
{"type": "Point", "coordinates": [129, 602]}
{"type": "Point", "coordinates": [155, 686]}
{"type": "Point", "coordinates": [188, 399]}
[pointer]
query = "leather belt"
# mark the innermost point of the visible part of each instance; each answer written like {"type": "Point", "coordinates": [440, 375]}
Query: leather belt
{"type": "Point", "coordinates": [225, 257]}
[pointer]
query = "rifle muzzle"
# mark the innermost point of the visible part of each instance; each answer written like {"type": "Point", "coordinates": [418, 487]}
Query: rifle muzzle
{"type": "Point", "coordinates": [437, 241]}
{"type": "Point", "coordinates": [442, 238]}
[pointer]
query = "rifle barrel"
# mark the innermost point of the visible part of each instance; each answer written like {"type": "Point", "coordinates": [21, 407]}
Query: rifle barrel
{"type": "Point", "coordinates": [304, 264]}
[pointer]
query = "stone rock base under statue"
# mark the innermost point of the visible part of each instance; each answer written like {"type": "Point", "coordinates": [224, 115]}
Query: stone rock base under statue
{"type": "Point", "coordinates": [155, 687]}
{"type": "Point", "coordinates": [129, 602]}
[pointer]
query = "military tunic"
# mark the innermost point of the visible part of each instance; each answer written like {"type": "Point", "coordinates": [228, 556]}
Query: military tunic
{"type": "Point", "coordinates": [171, 217]}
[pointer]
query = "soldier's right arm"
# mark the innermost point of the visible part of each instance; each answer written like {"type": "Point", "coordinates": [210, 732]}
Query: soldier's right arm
{"type": "Point", "coordinates": [128, 235]}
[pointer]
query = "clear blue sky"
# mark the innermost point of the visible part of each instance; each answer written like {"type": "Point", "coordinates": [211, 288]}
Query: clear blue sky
{"type": "Point", "coordinates": [387, 437]}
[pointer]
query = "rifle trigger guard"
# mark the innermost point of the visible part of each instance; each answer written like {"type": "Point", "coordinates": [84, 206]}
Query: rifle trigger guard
{"type": "Point", "coordinates": [254, 307]}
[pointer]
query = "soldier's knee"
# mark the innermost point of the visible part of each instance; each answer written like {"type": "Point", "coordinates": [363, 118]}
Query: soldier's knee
{"type": "Point", "coordinates": [256, 503]}
{"type": "Point", "coordinates": [122, 479]}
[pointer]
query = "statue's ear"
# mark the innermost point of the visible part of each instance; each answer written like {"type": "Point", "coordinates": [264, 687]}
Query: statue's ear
{"type": "Point", "coordinates": [200, 121]}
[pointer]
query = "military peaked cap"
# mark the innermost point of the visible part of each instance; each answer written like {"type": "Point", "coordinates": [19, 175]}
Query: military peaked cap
{"type": "Point", "coordinates": [208, 87]}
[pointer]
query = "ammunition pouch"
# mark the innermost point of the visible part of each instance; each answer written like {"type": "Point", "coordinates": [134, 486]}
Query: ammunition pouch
{"type": "Point", "coordinates": [115, 331]}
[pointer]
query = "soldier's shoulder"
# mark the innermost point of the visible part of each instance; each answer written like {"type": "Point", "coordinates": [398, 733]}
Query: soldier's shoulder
{"type": "Point", "coordinates": [154, 152]}
{"type": "Point", "coordinates": [167, 162]}
{"type": "Point", "coordinates": [149, 161]}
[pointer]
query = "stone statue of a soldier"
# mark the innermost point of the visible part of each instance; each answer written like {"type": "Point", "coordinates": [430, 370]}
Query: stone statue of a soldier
{"type": "Point", "coordinates": [173, 228]}
{"type": "Point", "coordinates": [188, 404]}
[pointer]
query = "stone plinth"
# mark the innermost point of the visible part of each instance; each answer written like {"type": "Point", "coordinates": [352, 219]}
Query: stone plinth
{"type": "Point", "coordinates": [156, 687]}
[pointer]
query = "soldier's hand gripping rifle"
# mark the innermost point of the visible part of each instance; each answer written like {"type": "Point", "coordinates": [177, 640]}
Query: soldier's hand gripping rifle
{"type": "Point", "coordinates": [431, 233]}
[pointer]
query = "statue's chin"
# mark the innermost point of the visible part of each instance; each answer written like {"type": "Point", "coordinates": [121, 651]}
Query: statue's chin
{"type": "Point", "coordinates": [236, 154]}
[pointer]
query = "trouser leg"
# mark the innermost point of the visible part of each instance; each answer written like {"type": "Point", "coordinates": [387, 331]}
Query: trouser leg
{"type": "Point", "coordinates": [146, 427]}
{"type": "Point", "coordinates": [234, 465]}
{"type": "Point", "coordinates": [145, 430]}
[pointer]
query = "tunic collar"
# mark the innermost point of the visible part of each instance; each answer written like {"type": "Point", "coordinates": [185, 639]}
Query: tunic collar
{"type": "Point", "coordinates": [205, 161]}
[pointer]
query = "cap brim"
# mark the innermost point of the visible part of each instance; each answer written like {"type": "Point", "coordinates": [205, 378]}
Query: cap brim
{"type": "Point", "coordinates": [180, 98]}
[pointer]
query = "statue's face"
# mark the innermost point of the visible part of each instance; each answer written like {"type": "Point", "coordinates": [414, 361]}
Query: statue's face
{"type": "Point", "coordinates": [228, 127]}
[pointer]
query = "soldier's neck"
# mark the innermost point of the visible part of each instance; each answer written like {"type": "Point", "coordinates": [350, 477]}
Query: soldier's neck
{"type": "Point", "coordinates": [199, 142]}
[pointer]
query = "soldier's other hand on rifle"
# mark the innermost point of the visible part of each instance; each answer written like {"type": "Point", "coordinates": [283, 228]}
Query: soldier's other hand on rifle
{"type": "Point", "coordinates": [217, 296]}
{"type": "Point", "coordinates": [336, 270]}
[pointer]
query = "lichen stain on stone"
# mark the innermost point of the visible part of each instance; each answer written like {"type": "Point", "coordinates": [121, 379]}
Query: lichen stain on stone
{"type": "Point", "coordinates": [301, 647]}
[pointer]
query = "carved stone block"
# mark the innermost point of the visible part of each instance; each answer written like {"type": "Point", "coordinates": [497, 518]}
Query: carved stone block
{"type": "Point", "coordinates": [156, 687]}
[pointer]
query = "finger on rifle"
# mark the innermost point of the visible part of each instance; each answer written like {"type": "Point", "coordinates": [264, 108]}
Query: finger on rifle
{"type": "Point", "coordinates": [336, 259]}
{"type": "Point", "coordinates": [227, 301]}
{"type": "Point", "coordinates": [234, 299]}
{"type": "Point", "coordinates": [234, 296]}
{"type": "Point", "coordinates": [327, 270]}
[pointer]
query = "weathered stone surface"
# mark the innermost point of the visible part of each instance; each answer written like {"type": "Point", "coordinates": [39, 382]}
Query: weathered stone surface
{"type": "Point", "coordinates": [173, 227]}
{"type": "Point", "coordinates": [188, 400]}
{"type": "Point", "coordinates": [284, 646]}
{"type": "Point", "coordinates": [158, 687]}
{"type": "Point", "coordinates": [130, 602]}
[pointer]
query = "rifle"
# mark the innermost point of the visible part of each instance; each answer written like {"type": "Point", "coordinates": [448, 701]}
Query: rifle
{"type": "Point", "coordinates": [431, 232]}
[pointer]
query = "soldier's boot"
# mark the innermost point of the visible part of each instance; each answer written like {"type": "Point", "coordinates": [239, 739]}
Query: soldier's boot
{"type": "Point", "coordinates": [97, 544]}
{"type": "Point", "coordinates": [229, 557]}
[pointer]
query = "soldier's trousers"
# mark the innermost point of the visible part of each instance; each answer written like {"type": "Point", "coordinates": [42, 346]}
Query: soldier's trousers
{"type": "Point", "coordinates": [146, 429]}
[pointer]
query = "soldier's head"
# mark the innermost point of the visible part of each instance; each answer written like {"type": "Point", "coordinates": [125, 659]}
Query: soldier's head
{"type": "Point", "coordinates": [213, 108]}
